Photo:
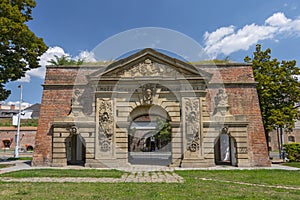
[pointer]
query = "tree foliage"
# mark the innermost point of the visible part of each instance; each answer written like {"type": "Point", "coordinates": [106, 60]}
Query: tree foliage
{"type": "Point", "coordinates": [20, 48]}
{"type": "Point", "coordinates": [278, 89]}
{"type": "Point", "coordinates": [65, 60]}
{"type": "Point", "coordinates": [293, 151]}
{"type": "Point", "coordinates": [163, 130]}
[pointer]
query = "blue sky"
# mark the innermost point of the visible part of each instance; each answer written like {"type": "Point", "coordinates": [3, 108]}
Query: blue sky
{"type": "Point", "coordinates": [223, 28]}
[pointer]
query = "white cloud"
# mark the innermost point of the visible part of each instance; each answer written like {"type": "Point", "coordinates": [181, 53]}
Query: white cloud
{"type": "Point", "coordinates": [25, 79]}
{"type": "Point", "coordinates": [226, 40]}
{"type": "Point", "coordinates": [86, 56]}
{"type": "Point", "coordinates": [47, 56]}
{"type": "Point", "coordinates": [277, 19]}
{"type": "Point", "coordinates": [50, 54]}
{"type": "Point", "coordinates": [217, 35]}
{"type": "Point", "coordinates": [284, 25]}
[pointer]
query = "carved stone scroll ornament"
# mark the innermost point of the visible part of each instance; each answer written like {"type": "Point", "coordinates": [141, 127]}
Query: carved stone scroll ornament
{"type": "Point", "coordinates": [192, 124]}
{"type": "Point", "coordinates": [73, 130]}
{"type": "Point", "coordinates": [105, 145]}
{"type": "Point", "coordinates": [106, 124]}
{"type": "Point", "coordinates": [195, 145]}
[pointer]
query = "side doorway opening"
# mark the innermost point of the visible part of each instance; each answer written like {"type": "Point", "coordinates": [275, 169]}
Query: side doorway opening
{"type": "Point", "coordinates": [225, 150]}
{"type": "Point", "coordinates": [76, 150]}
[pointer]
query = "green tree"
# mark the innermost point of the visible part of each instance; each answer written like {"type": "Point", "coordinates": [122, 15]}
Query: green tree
{"type": "Point", "coordinates": [163, 131]}
{"type": "Point", "coordinates": [278, 89]}
{"type": "Point", "coordinates": [19, 47]}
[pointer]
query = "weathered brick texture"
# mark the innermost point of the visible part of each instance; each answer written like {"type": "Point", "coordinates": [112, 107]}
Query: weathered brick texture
{"type": "Point", "coordinates": [238, 81]}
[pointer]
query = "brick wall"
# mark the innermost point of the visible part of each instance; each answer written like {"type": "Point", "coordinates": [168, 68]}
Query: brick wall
{"type": "Point", "coordinates": [56, 102]}
{"type": "Point", "coordinates": [27, 136]}
{"type": "Point", "coordinates": [238, 81]}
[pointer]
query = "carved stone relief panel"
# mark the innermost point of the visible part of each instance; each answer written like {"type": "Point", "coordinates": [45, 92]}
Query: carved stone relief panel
{"type": "Point", "coordinates": [192, 124]}
{"type": "Point", "coordinates": [149, 68]}
{"type": "Point", "coordinates": [106, 124]}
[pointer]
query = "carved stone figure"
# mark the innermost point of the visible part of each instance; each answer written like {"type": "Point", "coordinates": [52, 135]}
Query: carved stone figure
{"type": "Point", "coordinates": [147, 96]}
{"type": "Point", "coordinates": [221, 104]}
{"type": "Point", "coordinates": [75, 99]}
{"type": "Point", "coordinates": [221, 99]}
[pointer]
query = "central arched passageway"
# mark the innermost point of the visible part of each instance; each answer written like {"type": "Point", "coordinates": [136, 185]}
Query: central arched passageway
{"type": "Point", "coordinates": [149, 136]}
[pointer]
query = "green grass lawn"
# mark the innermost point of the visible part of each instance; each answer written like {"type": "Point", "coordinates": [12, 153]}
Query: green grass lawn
{"type": "Point", "coordinates": [6, 165]}
{"type": "Point", "coordinates": [64, 173]}
{"type": "Point", "coordinates": [293, 164]}
{"type": "Point", "coordinates": [192, 188]}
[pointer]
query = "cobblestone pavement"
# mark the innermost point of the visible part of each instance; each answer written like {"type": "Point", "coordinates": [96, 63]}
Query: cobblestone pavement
{"type": "Point", "coordinates": [141, 177]}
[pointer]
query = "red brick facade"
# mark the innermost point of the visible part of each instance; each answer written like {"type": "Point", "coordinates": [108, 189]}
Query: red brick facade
{"type": "Point", "coordinates": [237, 79]}
{"type": "Point", "coordinates": [239, 84]}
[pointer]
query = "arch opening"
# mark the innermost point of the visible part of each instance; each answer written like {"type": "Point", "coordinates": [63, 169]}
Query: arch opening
{"type": "Point", "coordinates": [225, 150]}
{"type": "Point", "coordinates": [75, 150]}
{"type": "Point", "coordinates": [149, 136]}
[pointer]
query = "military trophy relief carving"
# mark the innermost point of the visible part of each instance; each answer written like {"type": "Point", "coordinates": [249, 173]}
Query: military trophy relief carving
{"type": "Point", "coordinates": [148, 68]}
{"type": "Point", "coordinates": [221, 104]}
{"type": "Point", "coordinates": [192, 124]}
{"type": "Point", "coordinates": [106, 124]}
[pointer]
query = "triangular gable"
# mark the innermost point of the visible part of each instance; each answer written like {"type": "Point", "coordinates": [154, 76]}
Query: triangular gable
{"type": "Point", "coordinates": [149, 62]}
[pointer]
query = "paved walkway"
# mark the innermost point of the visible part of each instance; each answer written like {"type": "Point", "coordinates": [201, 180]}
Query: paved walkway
{"type": "Point", "coordinates": [135, 173]}
{"type": "Point", "coordinates": [140, 177]}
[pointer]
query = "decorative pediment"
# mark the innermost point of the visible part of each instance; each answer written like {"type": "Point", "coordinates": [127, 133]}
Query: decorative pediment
{"type": "Point", "coordinates": [149, 63]}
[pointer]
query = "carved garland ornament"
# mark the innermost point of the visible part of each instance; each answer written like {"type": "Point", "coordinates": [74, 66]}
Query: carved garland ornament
{"type": "Point", "coordinates": [106, 124]}
{"type": "Point", "coordinates": [192, 123]}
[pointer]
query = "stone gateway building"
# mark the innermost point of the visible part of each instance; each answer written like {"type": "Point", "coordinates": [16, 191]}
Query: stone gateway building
{"type": "Point", "coordinates": [150, 109]}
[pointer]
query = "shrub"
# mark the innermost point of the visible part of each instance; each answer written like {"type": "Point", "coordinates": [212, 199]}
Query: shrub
{"type": "Point", "coordinates": [293, 151]}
